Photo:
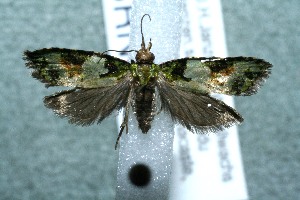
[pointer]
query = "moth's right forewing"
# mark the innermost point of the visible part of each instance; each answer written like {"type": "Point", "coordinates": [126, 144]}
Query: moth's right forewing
{"type": "Point", "coordinates": [74, 68]}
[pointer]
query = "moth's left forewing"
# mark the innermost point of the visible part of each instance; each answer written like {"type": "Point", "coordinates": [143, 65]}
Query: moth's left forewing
{"type": "Point", "coordinates": [231, 76]}
{"type": "Point", "coordinates": [236, 75]}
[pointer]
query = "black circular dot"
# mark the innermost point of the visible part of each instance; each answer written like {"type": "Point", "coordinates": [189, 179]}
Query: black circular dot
{"type": "Point", "coordinates": [140, 175]}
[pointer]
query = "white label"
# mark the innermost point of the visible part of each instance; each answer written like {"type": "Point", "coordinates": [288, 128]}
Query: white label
{"type": "Point", "coordinates": [206, 166]}
{"type": "Point", "coordinates": [117, 25]}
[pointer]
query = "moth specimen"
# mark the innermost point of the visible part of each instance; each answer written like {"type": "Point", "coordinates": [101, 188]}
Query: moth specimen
{"type": "Point", "coordinates": [102, 83]}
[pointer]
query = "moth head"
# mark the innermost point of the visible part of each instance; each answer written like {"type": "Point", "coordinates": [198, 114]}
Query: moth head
{"type": "Point", "coordinates": [144, 55]}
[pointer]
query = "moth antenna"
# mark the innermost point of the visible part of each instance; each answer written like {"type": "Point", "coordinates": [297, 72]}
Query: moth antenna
{"type": "Point", "coordinates": [114, 51]}
{"type": "Point", "coordinates": [143, 41]}
{"type": "Point", "coordinates": [117, 51]}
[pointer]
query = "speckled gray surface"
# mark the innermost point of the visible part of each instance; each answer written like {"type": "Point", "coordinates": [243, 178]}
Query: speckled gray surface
{"type": "Point", "coordinates": [270, 135]}
{"type": "Point", "coordinates": [43, 157]}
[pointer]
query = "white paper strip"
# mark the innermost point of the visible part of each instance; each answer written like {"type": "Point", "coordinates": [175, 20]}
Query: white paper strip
{"type": "Point", "coordinates": [206, 166]}
{"type": "Point", "coordinates": [117, 25]}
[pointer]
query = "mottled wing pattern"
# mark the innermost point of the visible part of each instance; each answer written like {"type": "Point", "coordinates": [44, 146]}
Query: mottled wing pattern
{"type": "Point", "coordinates": [75, 68]}
{"type": "Point", "coordinates": [231, 76]}
{"type": "Point", "coordinates": [87, 105]}
{"type": "Point", "coordinates": [197, 111]}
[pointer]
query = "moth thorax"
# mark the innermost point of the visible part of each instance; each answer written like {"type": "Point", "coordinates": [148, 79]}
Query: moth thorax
{"type": "Point", "coordinates": [144, 73]}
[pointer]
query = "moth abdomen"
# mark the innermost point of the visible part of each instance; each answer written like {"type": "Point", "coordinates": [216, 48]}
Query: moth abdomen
{"type": "Point", "coordinates": [144, 106]}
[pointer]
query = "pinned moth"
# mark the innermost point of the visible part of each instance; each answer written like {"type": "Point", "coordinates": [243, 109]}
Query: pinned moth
{"type": "Point", "coordinates": [102, 84]}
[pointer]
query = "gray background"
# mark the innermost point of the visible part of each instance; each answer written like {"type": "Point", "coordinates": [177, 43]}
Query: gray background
{"type": "Point", "coordinates": [43, 157]}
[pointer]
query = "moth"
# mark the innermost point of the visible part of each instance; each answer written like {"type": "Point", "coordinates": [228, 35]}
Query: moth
{"type": "Point", "coordinates": [102, 84]}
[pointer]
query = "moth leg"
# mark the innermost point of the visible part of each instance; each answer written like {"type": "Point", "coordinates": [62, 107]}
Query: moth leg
{"type": "Point", "coordinates": [123, 125]}
{"type": "Point", "coordinates": [158, 111]}
{"type": "Point", "coordinates": [120, 134]}
{"type": "Point", "coordinates": [126, 117]}
{"type": "Point", "coordinates": [125, 121]}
